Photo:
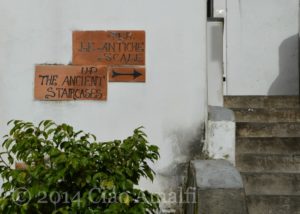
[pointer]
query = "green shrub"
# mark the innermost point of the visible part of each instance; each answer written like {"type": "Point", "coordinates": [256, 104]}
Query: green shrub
{"type": "Point", "coordinates": [68, 171]}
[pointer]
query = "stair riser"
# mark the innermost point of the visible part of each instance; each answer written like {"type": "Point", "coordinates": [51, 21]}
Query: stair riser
{"type": "Point", "coordinates": [272, 184]}
{"type": "Point", "coordinates": [268, 151]}
{"type": "Point", "coordinates": [269, 102]}
{"type": "Point", "coordinates": [268, 163]}
{"type": "Point", "coordinates": [253, 115]}
{"type": "Point", "coordinates": [285, 146]}
{"type": "Point", "coordinates": [268, 130]}
{"type": "Point", "coordinates": [273, 205]}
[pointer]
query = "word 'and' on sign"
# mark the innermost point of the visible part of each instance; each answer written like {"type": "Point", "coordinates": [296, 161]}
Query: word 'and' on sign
{"type": "Point", "coordinates": [98, 57]}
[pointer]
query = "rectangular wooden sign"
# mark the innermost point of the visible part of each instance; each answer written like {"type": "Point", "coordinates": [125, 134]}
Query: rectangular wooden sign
{"type": "Point", "coordinates": [61, 82]}
{"type": "Point", "coordinates": [127, 74]}
{"type": "Point", "coordinates": [109, 48]}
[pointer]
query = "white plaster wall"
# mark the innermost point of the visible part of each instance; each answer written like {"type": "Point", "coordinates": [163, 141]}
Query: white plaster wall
{"type": "Point", "coordinates": [215, 63]}
{"type": "Point", "coordinates": [262, 42]}
{"type": "Point", "coordinates": [172, 103]}
{"type": "Point", "coordinates": [220, 142]}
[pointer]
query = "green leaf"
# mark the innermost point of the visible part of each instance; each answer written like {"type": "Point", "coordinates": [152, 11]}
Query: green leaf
{"type": "Point", "coordinates": [8, 142]}
{"type": "Point", "coordinates": [10, 159]}
{"type": "Point", "coordinates": [21, 177]}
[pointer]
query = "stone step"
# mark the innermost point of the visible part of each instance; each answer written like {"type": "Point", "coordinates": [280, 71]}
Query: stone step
{"type": "Point", "coordinates": [268, 145]}
{"type": "Point", "coordinates": [277, 204]}
{"type": "Point", "coordinates": [268, 163]}
{"type": "Point", "coordinates": [261, 102]}
{"type": "Point", "coordinates": [271, 183]}
{"type": "Point", "coordinates": [268, 129]}
{"type": "Point", "coordinates": [266, 115]}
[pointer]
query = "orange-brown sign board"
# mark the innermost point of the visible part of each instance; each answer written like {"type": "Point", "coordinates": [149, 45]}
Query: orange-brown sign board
{"type": "Point", "coordinates": [108, 48]}
{"type": "Point", "coordinates": [127, 74]}
{"type": "Point", "coordinates": [62, 82]}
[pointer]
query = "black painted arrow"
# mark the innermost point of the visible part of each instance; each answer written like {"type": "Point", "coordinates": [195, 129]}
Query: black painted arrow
{"type": "Point", "coordinates": [135, 74]}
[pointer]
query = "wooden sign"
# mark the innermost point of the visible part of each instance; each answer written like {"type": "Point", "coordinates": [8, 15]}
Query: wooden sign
{"type": "Point", "coordinates": [53, 82]}
{"type": "Point", "coordinates": [127, 74]}
{"type": "Point", "coordinates": [109, 47]}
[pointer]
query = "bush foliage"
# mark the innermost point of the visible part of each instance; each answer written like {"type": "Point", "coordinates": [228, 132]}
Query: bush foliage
{"type": "Point", "coordinates": [68, 171]}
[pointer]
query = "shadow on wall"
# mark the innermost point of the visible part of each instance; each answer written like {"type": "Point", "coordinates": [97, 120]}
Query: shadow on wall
{"type": "Point", "coordinates": [287, 82]}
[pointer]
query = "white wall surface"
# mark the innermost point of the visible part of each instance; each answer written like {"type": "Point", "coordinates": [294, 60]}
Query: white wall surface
{"type": "Point", "coordinates": [220, 143]}
{"type": "Point", "coordinates": [262, 47]}
{"type": "Point", "coordinates": [215, 63]}
{"type": "Point", "coordinates": [220, 134]}
{"type": "Point", "coordinates": [172, 103]}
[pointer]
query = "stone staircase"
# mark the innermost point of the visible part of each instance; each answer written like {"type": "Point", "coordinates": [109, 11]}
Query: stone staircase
{"type": "Point", "coordinates": [268, 151]}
